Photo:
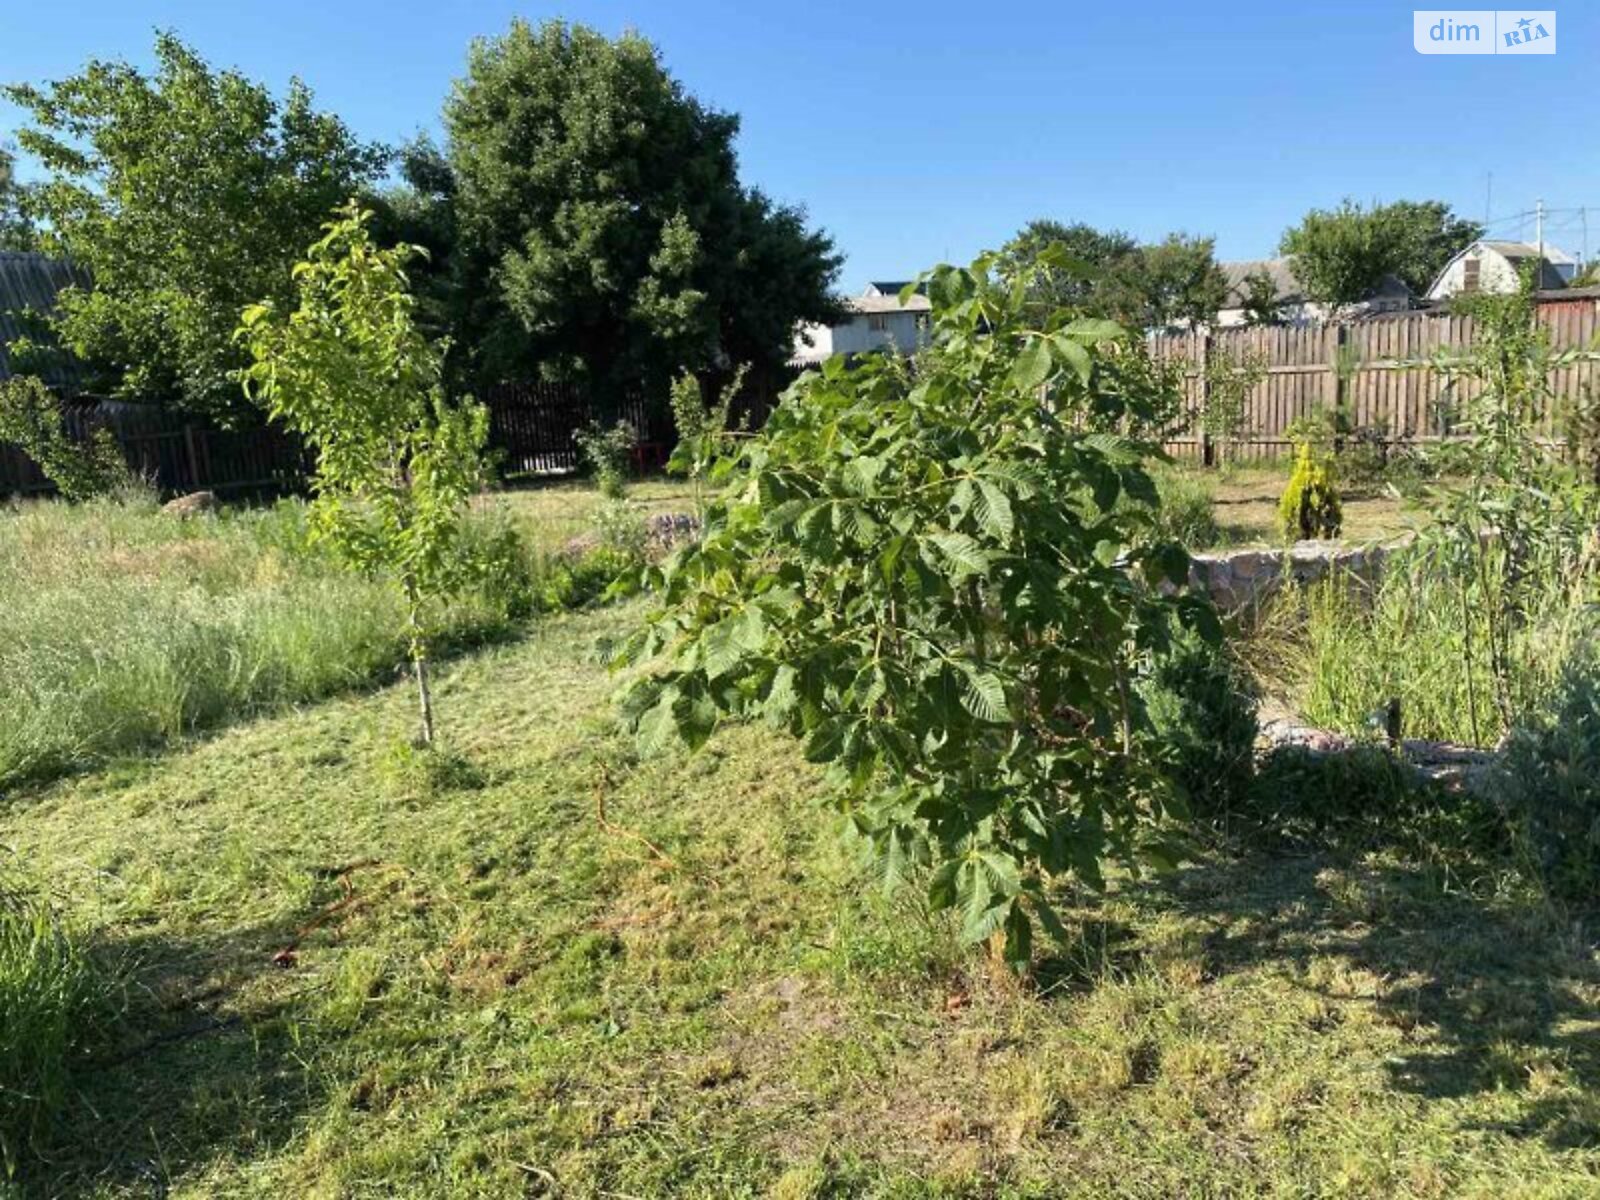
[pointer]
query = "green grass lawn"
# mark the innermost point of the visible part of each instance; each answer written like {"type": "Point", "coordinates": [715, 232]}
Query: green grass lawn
{"type": "Point", "coordinates": [352, 977]}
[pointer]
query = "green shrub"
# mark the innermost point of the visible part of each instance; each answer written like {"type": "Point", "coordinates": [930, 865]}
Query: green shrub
{"type": "Point", "coordinates": [1551, 785]}
{"type": "Point", "coordinates": [30, 417]}
{"type": "Point", "coordinates": [1310, 504]}
{"type": "Point", "coordinates": [922, 571]}
{"type": "Point", "coordinates": [1186, 514]}
{"type": "Point", "coordinates": [607, 452]}
{"type": "Point", "coordinates": [1202, 706]}
{"type": "Point", "coordinates": [54, 1004]}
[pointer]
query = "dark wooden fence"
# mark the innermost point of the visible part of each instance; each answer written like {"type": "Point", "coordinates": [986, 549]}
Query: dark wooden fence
{"type": "Point", "coordinates": [175, 454]}
{"type": "Point", "coordinates": [1378, 370]}
{"type": "Point", "coordinates": [531, 430]}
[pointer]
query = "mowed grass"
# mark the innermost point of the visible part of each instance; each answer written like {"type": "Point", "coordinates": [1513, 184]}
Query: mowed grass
{"type": "Point", "coordinates": [352, 977]}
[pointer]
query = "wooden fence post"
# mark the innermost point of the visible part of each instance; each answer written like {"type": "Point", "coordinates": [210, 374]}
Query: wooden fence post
{"type": "Point", "coordinates": [1208, 452]}
{"type": "Point", "coordinates": [194, 459]}
{"type": "Point", "coordinates": [1341, 385]}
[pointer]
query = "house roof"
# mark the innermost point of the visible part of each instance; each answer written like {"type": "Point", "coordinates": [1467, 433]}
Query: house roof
{"type": "Point", "coordinates": [887, 304]}
{"type": "Point", "coordinates": [890, 287]}
{"type": "Point", "coordinates": [32, 281]}
{"type": "Point", "coordinates": [1286, 288]}
{"type": "Point", "coordinates": [1516, 253]}
{"type": "Point", "coordinates": [1519, 250]}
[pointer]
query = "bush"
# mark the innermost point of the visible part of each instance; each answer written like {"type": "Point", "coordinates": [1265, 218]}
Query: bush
{"type": "Point", "coordinates": [1201, 704]}
{"type": "Point", "coordinates": [922, 570]}
{"type": "Point", "coordinates": [607, 451]}
{"type": "Point", "coordinates": [54, 1004]}
{"type": "Point", "coordinates": [1551, 786]}
{"type": "Point", "coordinates": [1314, 792]}
{"type": "Point", "coordinates": [1185, 514]}
{"type": "Point", "coordinates": [30, 417]}
{"type": "Point", "coordinates": [1310, 504]}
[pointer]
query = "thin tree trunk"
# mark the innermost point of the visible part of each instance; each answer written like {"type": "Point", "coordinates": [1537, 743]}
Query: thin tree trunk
{"type": "Point", "coordinates": [425, 699]}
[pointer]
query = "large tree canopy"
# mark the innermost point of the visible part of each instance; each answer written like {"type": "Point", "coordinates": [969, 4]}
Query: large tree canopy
{"type": "Point", "coordinates": [1171, 282]}
{"type": "Point", "coordinates": [604, 233]}
{"type": "Point", "coordinates": [187, 193]}
{"type": "Point", "coordinates": [1341, 255]}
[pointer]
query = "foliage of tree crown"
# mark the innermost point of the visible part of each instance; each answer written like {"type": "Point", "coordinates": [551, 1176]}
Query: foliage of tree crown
{"type": "Point", "coordinates": [1342, 255]}
{"type": "Point", "coordinates": [923, 571]}
{"type": "Point", "coordinates": [350, 371]}
{"type": "Point", "coordinates": [186, 194]}
{"type": "Point", "coordinates": [1106, 273]}
{"type": "Point", "coordinates": [604, 232]}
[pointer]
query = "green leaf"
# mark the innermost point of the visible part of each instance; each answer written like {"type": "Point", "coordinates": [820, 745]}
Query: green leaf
{"type": "Point", "coordinates": [994, 511]}
{"type": "Point", "coordinates": [1032, 366]}
{"type": "Point", "coordinates": [961, 553]}
{"type": "Point", "coordinates": [1073, 356]}
{"type": "Point", "coordinates": [696, 718]}
{"type": "Point", "coordinates": [984, 695]}
{"type": "Point", "coordinates": [861, 472]}
{"type": "Point", "coordinates": [1093, 329]}
{"type": "Point", "coordinates": [658, 727]}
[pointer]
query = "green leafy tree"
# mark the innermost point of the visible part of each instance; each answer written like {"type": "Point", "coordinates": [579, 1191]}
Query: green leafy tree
{"type": "Point", "coordinates": [1106, 273]}
{"type": "Point", "coordinates": [604, 235]}
{"type": "Point", "coordinates": [1180, 282]}
{"type": "Point", "coordinates": [1260, 300]}
{"type": "Point", "coordinates": [16, 226]}
{"type": "Point", "coordinates": [1086, 270]}
{"type": "Point", "coordinates": [925, 573]}
{"type": "Point", "coordinates": [350, 372]}
{"type": "Point", "coordinates": [187, 194]}
{"type": "Point", "coordinates": [1342, 255]}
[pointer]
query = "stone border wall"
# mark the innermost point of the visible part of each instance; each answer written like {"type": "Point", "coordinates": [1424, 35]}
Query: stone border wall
{"type": "Point", "coordinates": [1240, 579]}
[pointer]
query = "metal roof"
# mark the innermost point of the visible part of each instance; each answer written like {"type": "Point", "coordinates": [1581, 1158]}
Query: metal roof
{"type": "Point", "coordinates": [887, 304]}
{"type": "Point", "coordinates": [32, 281]}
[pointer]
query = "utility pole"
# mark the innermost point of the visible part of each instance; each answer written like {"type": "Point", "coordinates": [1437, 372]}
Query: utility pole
{"type": "Point", "coordinates": [1488, 199]}
{"type": "Point", "coordinates": [1538, 225]}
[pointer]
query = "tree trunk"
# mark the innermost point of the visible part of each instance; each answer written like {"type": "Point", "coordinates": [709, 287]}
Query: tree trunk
{"type": "Point", "coordinates": [425, 699]}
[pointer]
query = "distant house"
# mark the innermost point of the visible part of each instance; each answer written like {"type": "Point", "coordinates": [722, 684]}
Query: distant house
{"type": "Point", "coordinates": [875, 320]}
{"type": "Point", "coordinates": [29, 285]}
{"type": "Point", "coordinates": [1293, 307]}
{"type": "Point", "coordinates": [1488, 266]}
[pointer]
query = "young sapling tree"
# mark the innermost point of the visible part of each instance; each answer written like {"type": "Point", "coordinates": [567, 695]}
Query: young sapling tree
{"type": "Point", "coordinates": [395, 461]}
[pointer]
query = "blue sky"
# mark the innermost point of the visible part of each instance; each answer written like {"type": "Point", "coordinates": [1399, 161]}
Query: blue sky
{"type": "Point", "coordinates": [920, 132]}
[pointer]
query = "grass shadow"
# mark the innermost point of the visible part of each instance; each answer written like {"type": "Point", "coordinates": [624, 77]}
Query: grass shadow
{"type": "Point", "coordinates": [1494, 993]}
{"type": "Point", "coordinates": [200, 1067]}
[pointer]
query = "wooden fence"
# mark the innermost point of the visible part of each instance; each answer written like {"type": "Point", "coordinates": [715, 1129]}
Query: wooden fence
{"type": "Point", "coordinates": [1378, 370]}
{"type": "Point", "coordinates": [175, 454]}
{"type": "Point", "coordinates": [531, 430]}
